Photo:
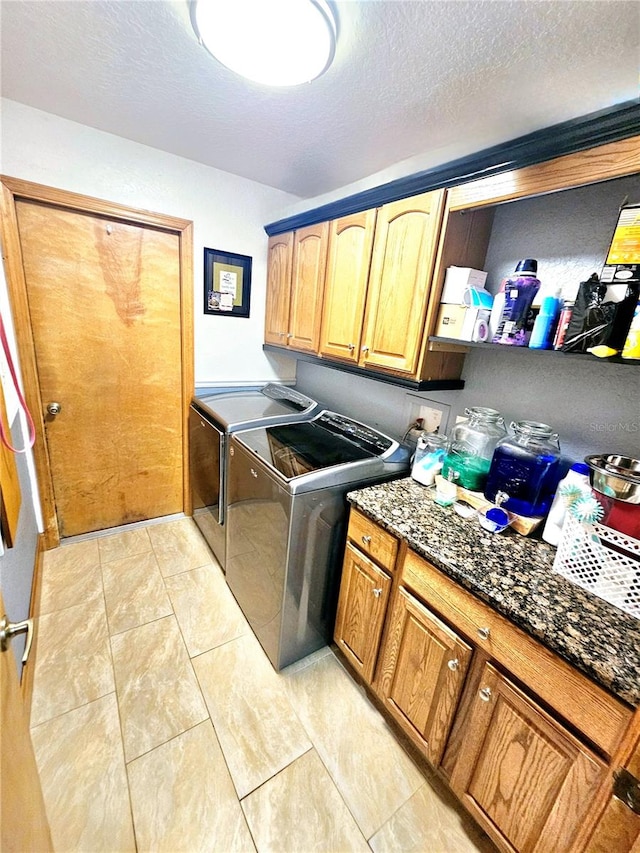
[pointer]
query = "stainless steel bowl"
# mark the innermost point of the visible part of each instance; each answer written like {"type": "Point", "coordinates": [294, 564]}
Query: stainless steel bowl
{"type": "Point", "coordinates": [615, 476]}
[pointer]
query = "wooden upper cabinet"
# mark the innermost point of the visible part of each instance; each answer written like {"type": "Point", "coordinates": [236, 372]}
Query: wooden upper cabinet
{"type": "Point", "coordinates": [524, 777]}
{"type": "Point", "coordinates": [307, 286]}
{"type": "Point", "coordinates": [422, 674]}
{"type": "Point", "coordinates": [350, 245]}
{"type": "Point", "coordinates": [279, 263]}
{"type": "Point", "coordinates": [404, 250]}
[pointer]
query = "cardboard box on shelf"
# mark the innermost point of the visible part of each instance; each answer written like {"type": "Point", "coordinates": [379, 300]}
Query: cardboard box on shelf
{"type": "Point", "coordinates": [463, 323]}
{"type": "Point", "coordinates": [450, 320]}
{"type": "Point", "coordinates": [457, 280]}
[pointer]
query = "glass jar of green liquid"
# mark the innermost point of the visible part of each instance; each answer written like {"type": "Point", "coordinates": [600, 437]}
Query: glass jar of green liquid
{"type": "Point", "coordinates": [471, 447]}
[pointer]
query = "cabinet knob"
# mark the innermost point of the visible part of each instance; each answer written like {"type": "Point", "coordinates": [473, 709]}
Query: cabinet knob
{"type": "Point", "coordinates": [485, 694]}
{"type": "Point", "coordinates": [377, 592]}
{"type": "Point", "coordinates": [351, 347]}
{"type": "Point", "coordinates": [453, 664]}
{"type": "Point", "coordinates": [484, 633]}
{"type": "Point", "coordinates": [290, 335]}
{"type": "Point", "coordinates": [366, 540]}
{"type": "Point", "coordinates": [365, 349]}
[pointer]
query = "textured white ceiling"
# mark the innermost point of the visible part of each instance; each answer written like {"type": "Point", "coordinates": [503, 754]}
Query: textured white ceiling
{"type": "Point", "coordinates": [440, 78]}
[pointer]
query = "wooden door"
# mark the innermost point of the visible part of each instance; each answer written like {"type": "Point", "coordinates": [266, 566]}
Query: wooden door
{"type": "Point", "coordinates": [423, 672]}
{"type": "Point", "coordinates": [362, 606]}
{"type": "Point", "coordinates": [349, 259]}
{"type": "Point", "coordinates": [104, 300]}
{"type": "Point", "coordinates": [279, 263]}
{"type": "Point", "coordinates": [524, 777]}
{"type": "Point", "coordinates": [307, 287]}
{"type": "Point", "coordinates": [401, 271]}
{"type": "Point", "coordinates": [23, 821]}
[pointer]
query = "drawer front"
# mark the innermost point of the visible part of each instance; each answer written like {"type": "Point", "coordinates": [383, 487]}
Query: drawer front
{"type": "Point", "coordinates": [599, 716]}
{"type": "Point", "coordinates": [372, 540]}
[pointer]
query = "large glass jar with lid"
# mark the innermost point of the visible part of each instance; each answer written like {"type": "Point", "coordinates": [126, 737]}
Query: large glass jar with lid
{"type": "Point", "coordinates": [525, 466]}
{"type": "Point", "coordinates": [471, 448]}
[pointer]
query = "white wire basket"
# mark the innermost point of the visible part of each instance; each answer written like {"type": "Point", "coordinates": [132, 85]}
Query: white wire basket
{"type": "Point", "coordinates": [602, 561]}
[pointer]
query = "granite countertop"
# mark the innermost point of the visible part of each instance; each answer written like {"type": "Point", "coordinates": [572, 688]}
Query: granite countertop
{"type": "Point", "coordinates": [513, 574]}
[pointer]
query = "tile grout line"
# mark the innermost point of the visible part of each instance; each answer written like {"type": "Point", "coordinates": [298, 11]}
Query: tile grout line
{"type": "Point", "coordinates": [115, 685]}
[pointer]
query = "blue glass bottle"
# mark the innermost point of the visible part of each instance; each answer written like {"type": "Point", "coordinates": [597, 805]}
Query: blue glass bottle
{"type": "Point", "coordinates": [526, 466]}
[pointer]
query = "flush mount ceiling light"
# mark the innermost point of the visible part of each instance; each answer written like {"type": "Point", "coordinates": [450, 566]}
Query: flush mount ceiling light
{"type": "Point", "coordinates": [274, 42]}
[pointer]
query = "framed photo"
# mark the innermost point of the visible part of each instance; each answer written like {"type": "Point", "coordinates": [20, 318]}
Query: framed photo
{"type": "Point", "coordinates": [227, 283]}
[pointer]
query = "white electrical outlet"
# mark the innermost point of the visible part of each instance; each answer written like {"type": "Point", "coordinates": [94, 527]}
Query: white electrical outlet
{"type": "Point", "coordinates": [431, 418]}
{"type": "Point", "coordinates": [434, 415]}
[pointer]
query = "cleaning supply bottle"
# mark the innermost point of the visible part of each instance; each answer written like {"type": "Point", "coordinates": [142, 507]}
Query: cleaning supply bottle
{"type": "Point", "coordinates": [576, 478]}
{"type": "Point", "coordinates": [631, 348]}
{"type": "Point", "coordinates": [545, 324]}
{"type": "Point", "coordinates": [519, 292]}
{"type": "Point", "coordinates": [496, 311]}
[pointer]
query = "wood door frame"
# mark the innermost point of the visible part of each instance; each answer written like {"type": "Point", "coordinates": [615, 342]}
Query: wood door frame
{"type": "Point", "coordinates": [15, 189]}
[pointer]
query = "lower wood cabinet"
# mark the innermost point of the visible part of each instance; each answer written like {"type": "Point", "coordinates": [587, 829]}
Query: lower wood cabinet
{"type": "Point", "coordinates": [362, 607]}
{"type": "Point", "coordinates": [524, 777]}
{"type": "Point", "coordinates": [422, 674]}
{"type": "Point", "coordinates": [526, 742]}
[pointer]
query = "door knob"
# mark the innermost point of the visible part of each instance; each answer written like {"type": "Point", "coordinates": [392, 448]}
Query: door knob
{"type": "Point", "coordinates": [54, 408]}
{"type": "Point", "coordinates": [10, 629]}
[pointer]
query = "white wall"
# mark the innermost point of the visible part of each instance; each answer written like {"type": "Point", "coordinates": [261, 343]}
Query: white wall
{"type": "Point", "coordinates": [228, 213]}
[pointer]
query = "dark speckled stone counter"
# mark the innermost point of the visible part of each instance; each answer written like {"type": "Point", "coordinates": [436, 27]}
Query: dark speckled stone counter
{"type": "Point", "coordinates": [513, 574]}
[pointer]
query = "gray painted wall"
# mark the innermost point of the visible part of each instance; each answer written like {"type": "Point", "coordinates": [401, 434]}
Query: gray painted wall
{"type": "Point", "coordinates": [594, 406]}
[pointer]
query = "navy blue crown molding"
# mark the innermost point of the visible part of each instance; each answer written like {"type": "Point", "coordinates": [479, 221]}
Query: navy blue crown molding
{"type": "Point", "coordinates": [608, 125]}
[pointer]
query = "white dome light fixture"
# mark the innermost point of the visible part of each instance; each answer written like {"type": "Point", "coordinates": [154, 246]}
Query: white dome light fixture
{"type": "Point", "coordinates": [273, 42]}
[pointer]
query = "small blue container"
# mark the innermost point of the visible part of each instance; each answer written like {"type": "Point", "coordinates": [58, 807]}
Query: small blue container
{"type": "Point", "coordinates": [545, 324]}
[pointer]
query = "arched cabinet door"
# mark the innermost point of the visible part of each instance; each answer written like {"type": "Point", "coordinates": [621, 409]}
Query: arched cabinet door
{"type": "Point", "coordinates": [404, 250]}
{"type": "Point", "coordinates": [307, 288]}
{"type": "Point", "coordinates": [280, 258]}
{"type": "Point", "coordinates": [350, 246]}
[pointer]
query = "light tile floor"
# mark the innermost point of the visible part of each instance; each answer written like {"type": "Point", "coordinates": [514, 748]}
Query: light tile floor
{"type": "Point", "coordinates": [160, 725]}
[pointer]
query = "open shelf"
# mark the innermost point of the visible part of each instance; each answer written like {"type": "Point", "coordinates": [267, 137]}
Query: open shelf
{"type": "Point", "coordinates": [461, 346]}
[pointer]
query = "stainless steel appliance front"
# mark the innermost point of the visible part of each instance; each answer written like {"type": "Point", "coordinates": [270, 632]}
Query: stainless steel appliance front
{"type": "Point", "coordinates": [211, 420]}
{"type": "Point", "coordinates": [286, 524]}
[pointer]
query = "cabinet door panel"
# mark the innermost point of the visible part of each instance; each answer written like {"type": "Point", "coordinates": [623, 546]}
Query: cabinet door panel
{"type": "Point", "coordinates": [423, 672]}
{"type": "Point", "coordinates": [350, 245]}
{"type": "Point", "coordinates": [364, 593]}
{"type": "Point", "coordinates": [522, 775]}
{"type": "Point", "coordinates": [278, 289]}
{"type": "Point", "coordinates": [307, 286]}
{"type": "Point", "coordinates": [401, 271]}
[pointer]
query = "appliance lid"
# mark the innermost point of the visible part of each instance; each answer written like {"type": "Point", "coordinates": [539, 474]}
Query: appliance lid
{"type": "Point", "coordinates": [271, 404]}
{"type": "Point", "coordinates": [326, 441]}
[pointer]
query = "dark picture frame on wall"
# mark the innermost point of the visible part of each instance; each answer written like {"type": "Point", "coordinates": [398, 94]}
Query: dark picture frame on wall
{"type": "Point", "coordinates": [227, 283]}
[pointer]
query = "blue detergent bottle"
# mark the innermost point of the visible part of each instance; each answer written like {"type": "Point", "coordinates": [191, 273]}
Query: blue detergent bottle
{"type": "Point", "coordinates": [545, 324]}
